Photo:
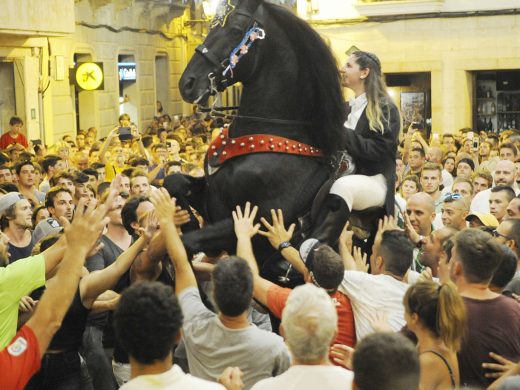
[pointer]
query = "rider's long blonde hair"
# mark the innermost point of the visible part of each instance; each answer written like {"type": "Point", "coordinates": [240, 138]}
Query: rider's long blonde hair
{"type": "Point", "coordinates": [378, 107]}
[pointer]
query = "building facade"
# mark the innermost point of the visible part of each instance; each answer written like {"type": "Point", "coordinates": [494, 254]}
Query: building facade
{"type": "Point", "coordinates": [444, 59]}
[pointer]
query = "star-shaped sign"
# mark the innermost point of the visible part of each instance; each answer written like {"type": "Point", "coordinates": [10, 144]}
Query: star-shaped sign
{"type": "Point", "coordinates": [223, 10]}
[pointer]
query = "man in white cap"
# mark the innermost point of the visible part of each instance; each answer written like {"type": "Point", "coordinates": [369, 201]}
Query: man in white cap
{"type": "Point", "coordinates": [16, 222]}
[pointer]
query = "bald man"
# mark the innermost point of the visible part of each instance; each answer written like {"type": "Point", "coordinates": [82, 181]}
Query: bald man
{"type": "Point", "coordinates": [513, 209]}
{"type": "Point", "coordinates": [505, 174]}
{"type": "Point", "coordinates": [454, 212]}
{"type": "Point", "coordinates": [420, 208]}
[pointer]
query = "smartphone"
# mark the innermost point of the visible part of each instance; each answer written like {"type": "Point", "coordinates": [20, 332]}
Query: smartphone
{"type": "Point", "coordinates": [436, 136]}
{"type": "Point", "coordinates": [471, 135]}
{"type": "Point", "coordinates": [36, 142]}
{"type": "Point", "coordinates": [125, 134]}
{"type": "Point", "coordinates": [475, 144]}
{"type": "Point", "coordinates": [416, 125]}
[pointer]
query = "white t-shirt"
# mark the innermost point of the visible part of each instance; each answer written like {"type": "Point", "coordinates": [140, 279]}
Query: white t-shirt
{"type": "Point", "coordinates": [171, 379]}
{"type": "Point", "coordinates": [309, 378]}
{"type": "Point", "coordinates": [413, 277]}
{"type": "Point", "coordinates": [447, 178]}
{"type": "Point", "coordinates": [370, 294]}
{"type": "Point", "coordinates": [211, 347]}
{"type": "Point", "coordinates": [480, 202]}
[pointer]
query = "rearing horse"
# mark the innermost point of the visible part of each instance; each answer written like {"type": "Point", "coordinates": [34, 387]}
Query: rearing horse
{"type": "Point", "coordinates": [291, 90]}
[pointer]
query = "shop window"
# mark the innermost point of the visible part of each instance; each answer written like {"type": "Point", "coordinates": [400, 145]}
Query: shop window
{"type": "Point", "coordinates": [497, 100]}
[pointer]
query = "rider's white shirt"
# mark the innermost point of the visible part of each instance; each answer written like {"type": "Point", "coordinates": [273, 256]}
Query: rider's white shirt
{"type": "Point", "coordinates": [357, 106]}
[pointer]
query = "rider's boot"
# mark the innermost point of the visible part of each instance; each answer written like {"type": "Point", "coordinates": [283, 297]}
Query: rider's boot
{"type": "Point", "coordinates": [331, 219]}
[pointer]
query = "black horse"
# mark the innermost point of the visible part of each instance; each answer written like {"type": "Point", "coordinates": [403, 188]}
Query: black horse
{"type": "Point", "coordinates": [291, 89]}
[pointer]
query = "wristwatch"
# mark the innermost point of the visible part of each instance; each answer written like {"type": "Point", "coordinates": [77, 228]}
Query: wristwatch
{"type": "Point", "coordinates": [420, 243]}
{"type": "Point", "coordinates": [283, 245]}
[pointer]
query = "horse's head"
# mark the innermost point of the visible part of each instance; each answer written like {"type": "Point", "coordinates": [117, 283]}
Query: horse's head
{"type": "Point", "coordinates": [214, 66]}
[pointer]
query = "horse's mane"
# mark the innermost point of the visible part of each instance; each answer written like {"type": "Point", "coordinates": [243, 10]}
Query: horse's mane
{"type": "Point", "coordinates": [316, 59]}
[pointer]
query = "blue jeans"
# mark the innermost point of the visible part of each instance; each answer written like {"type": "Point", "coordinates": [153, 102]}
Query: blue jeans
{"type": "Point", "coordinates": [60, 371]}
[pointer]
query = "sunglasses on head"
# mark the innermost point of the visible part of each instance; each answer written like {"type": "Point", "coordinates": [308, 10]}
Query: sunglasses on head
{"type": "Point", "coordinates": [451, 197]}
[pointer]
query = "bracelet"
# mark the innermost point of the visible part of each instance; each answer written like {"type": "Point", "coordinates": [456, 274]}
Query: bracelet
{"type": "Point", "coordinates": [283, 245]}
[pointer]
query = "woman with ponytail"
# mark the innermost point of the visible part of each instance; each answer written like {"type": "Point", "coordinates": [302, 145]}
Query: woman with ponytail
{"type": "Point", "coordinates": [371, 133]}
{"type": "Point", "coordinates": [436, 314]}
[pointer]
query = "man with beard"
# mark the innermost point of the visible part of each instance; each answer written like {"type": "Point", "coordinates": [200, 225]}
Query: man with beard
{"type": "Point", "coordinates": [16, 223]}
{"type": "Point", "coordinates": [505, 175]}
{"type": "Point", "coordinates": [431, 251]}
{"type": "Point", "coordinates": [60, 204]}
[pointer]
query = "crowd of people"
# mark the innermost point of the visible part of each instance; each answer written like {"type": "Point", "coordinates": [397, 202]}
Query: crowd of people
{"type": "Point", "coordinates": [98, 292]}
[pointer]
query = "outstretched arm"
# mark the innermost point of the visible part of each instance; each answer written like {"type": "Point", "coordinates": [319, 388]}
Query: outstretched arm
{"type": "Point", "coordinates": [98, 282]}
{"type": "Point", "coordinates": [276, 234]}
{"type": "Point", "coordinates": [106, 145]}
{"type": "Point", "coordinates": [82, 234]}
{"type": "Point", "coordinates": [165, 210]}
{"type": "Point", "coordinates": [245, 229]}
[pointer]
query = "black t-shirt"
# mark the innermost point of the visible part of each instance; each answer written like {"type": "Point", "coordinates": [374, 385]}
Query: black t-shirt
{"type": "Point", "coordinates": [493, 325]}
{"type": "Point", "coordinates": [106, 256]}
{"type": "Point", "coordinates": [17, 253]}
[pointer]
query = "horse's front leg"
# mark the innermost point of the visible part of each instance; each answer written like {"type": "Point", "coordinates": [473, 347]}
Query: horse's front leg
{"type": "Point", "coordinates": [188, 192]}
{"type": "Point", "coordinates": [212, 239]}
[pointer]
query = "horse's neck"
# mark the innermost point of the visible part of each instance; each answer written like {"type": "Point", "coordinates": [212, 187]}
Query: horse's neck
{"type": "Point", "coordinates": [276, 93]}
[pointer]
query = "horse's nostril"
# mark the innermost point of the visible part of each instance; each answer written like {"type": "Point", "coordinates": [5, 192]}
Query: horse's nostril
{"type": "Point", "coordinates": [188, 85]}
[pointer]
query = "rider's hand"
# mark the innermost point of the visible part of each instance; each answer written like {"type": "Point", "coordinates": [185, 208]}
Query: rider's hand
{"type": "Point", "coordinates": [276, 233]}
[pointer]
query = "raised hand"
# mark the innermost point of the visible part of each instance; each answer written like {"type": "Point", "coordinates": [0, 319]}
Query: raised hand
{"type": "Point", "coordinates": [164, 205]}
{"type": "Point", "coordinates": [342, 355]}
{"type": "Point", "coordinates": [181, 216]}
{"type": "Point", "coordinates": [360, 259]}
{"type": "Point", "coordinates": [231, 378]}
{"type": "Point", "coordinates": [380, 322]}
{"type": "Point", "coordinates": [345, 238]}
{"type": "Point", "coordinates": [245, 226]}
{"type": "Point", "coordinates": [276, 233]}
{"type": "Point", "coordinates": [151, 224]}
{"type": "Point", "coordinates": [87, 226]}
{"type": "Point", "coordinates": [27, 304]}
{"type": "Point", "coordinates": [499, 368]}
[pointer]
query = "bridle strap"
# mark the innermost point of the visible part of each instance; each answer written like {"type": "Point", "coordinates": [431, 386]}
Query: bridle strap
{"type": "Point", "coordinates": [208, 54]}
{"type": "Point", "coordinates": [217, 111]}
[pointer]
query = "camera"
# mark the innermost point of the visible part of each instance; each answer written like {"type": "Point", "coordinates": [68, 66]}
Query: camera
{"type": "Point", "coordinates": [125, 134]}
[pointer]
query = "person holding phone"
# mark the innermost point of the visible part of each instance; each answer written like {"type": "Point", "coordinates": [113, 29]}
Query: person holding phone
{"type": "Point", "coordinates": [371, 134]}
{"type": "Point", "coordinates": [125, 132]}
